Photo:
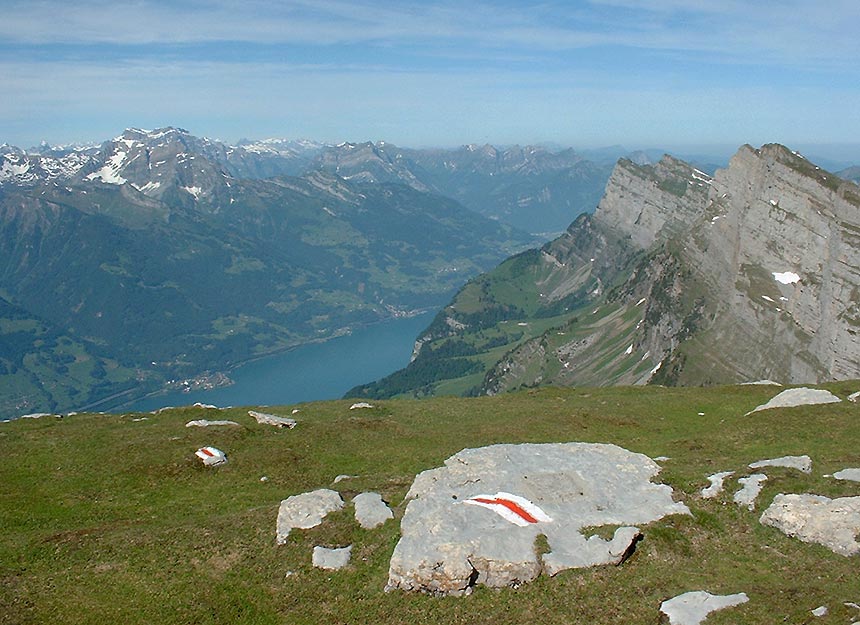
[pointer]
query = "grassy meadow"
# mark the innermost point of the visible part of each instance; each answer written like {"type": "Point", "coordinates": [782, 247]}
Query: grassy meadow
{"type": "Point", "coordinates": [112, 519]}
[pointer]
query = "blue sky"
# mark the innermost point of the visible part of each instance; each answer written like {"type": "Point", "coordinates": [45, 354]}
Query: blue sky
{"type": "Point", "coordinates": [653, 73]}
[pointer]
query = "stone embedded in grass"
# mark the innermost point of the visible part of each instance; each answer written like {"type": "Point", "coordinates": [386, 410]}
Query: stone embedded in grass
{"type": "Point", "coordinates": [801, 463]}
{"type": "Point", "coordinates": [716, 486]}
{"type": "Point", "coordinates": [305, 511]}
{"type": "Point", "coordinates": [211, 456]}
{"type": "Point", "coordinates": [852, 475]}
{"type": "Point", "coordinates": [752, 486]}
{"type": "Point", "coordinates": [449, 543]}
{"type": "Point", "coordinates": [798, 397]}
{"type": "Point", "coordinates": [270, 419]}
{"type": "Point", "coordinates": [834, 523]}
{"type": "Point", "coordinates": [360, 405]}
{"type": "Point", "coordinates": [853, 397]}
{"type": "Point", "coordinates": [693, 607]}
{"type": "Point", "coordinates": [204, 423]}
{"type": "Point", "coordinates": [331, 559]}
{"type": "Point", "coordinates": [370, 510]}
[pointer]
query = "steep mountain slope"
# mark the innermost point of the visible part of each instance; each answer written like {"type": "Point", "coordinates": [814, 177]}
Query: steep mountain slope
{"type": "Point", "coordinates": [530, 187]}
{"type": "Point", "coordinates": [149, 255]}
{"type": "Point", "coordinates": [678, 278]}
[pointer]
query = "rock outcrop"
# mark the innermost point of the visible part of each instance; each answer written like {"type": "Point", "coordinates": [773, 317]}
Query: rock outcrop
{"type": "Point", "coordinates": [834, 523]}
{"type": "Point", "coordinates": [456, 535]}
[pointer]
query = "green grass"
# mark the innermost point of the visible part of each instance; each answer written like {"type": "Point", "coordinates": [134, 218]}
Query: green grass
{"type": "Point", "coordinates": [106, 519]}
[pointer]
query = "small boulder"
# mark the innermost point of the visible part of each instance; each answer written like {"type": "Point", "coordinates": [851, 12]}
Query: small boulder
{"type": "Point", "coordinates": [203, 423]}
{"type": "Point", "coordinates": [359, 405]}
{"type": "Point", "coordinates": [270, 419]}
{"type": "Point", "coordinates": [370, 510]}
{"type": "Point", "coordinates": [211, 456]}
{"type": "Point", "coordinates": [852, 475]}
{"type": "Point", "coordinates": [752, 486]}
{"type": "Point", "coordinates": [801, 463]}
{"type": "Point", "coordinates": [834, 523]}
{"type": "Point", "coordinates": [798, 397]}
{"type": "Point", "coordinates": [693, 607]}
{"type": "Point", "coordinates": [716, 486]}
{"type": "Point", "coordinates": [305, 511]}
{"type": "Point", "coordinates": [331, 559]}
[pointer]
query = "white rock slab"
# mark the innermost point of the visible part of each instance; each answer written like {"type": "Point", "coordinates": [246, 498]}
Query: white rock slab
{"type": "Point", "coordinates": [853, 397]}
{"type": "Point", "coordinates": [716, 487]}
{"type": "Point", "coordinates": [692, 608]}
{"type": "Point", "coordinates": [852, 475]}
{"type": "Point", "coordinates": [798, 397]}
{"type": "Point", "coordinates": [801, 463]}
{"type": "Point", "coordinates": [211, 456]}
{"type": "Point", "coordinates": [447, 546]}
{"type": "Point", "coordinates": [833, 523]}
{"type": "Point", "coordinates": [204, 423]}
{"type": "Point", "coordinates": [371, 511]}
{"type": "Point", "coordinates": [360, 405]}
{"type": "Point", "coordinates": [752, 486]}
{"type": "Point", "coordinates": [305, 511]}
{"type": "Point", "coordinates": [820, 611]}
{"type": "Point", "coordinates": [270, 419]}
{"type": "Point", "coordinates": [331, 559]}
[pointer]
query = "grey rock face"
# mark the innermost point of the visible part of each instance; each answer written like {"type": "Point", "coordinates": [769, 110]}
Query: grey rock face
{"type": "Point", "coordinates": [370, 510]}
{"type": "Point", "coordinates": [331, 559]}
{"type": "Point", "coordinates": [833, 523]}
{"type": "Point", "coordinates": [305, 511]}
{"type": "Point", "coordinates": [801, 463]}
{"type": "Point", "coordinates": [693, 607]}
{"type": "Point", "coordinates": [448, 546]}
{"type": "Point", "coordinates": [799, 397]}
{"type": "Point", "coordinates": [270, 419]}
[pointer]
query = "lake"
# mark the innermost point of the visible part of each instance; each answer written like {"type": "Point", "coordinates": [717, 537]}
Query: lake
{"type": "Point", "coordinates": [310, 372]}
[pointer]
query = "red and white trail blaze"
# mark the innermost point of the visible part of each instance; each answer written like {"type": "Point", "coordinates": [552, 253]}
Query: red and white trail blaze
{"type": "Point", "coordinates": [518, 510]}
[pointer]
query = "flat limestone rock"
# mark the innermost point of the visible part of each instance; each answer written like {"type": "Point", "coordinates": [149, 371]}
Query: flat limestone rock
{"type": "Point", "coordinates": [475, 520]}
{"type": "Point", "coordinates": [853, 397]}
{"type": "Point", "coordinates": [716, 486]}
{"type": "Point", "coordinates": [852, 475]}
{"type": "Point", "coordinates": [752, 486]}
{"type": "Point", "coordinates": [331, 559]}
{"type": "Point", "coordinates": [305, 511]}
{"type": "Point", "coordinates": [693, 607]}
{"type": "Point", "coordinates": [270, 419]}
{"type": "Point", "coordinates": [370, 510]}
{"type": "Point", "coordinates": [211, 456]}
{"type": "Point", "coordinates": [801, 463]}
{"type": "Point", "coordinates": [833, 523]}
{"type": "Point", "coordinates": [799, 397]}
{"type": "Point", "coordinates": [204, 423]}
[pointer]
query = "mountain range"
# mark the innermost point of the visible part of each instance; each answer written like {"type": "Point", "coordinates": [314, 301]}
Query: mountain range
{"type": "Point", "coordinates": [162, 258]}
{"type": "Point", "coordinates": [678, 277]}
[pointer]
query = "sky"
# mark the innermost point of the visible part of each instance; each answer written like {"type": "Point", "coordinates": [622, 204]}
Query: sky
{"type": "Point", "coordinates": [581, 73]}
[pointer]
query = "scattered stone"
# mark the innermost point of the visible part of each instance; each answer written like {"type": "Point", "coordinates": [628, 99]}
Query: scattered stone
{"type": "Point", "coordinates": [331, 559]}
{"type": "Point", "coordinates": [716, 486]}
{"type": "Point", "coordinates": [834, 523]}
{"type": "Point", "coordinates": [265, 478]}
{"type": "Point", "coordinates": [270, 419]}
{"type": "Point", "coordinates": [693, 607]}
{"type": "Point", "coordinates": [35, 415]}
{"type": "Point", "coordinates": [203, 423]}
{"type": "Point", "coordinates": [207, 406]}
{"type": "Point", "coordinates": [211, 456]}
{"type": "Point", "coordinates": [752, 486]}
{"type": "Point", "coordinates": [295, 411]}
{"type": "Point", "coordinates": [798, 397]}
{"type": "Point", "coordinates": [853, 397]}
{"type": "Point", "coordinates": [370, 510]}
{"type": "Point", "coordinates": [852, 475]}
{"type": "Point", "coordinates": [305, 511]}
{"type": "Point", "coordinates": [449, 543]}
{"type": "Point", "coordinates": [820, 611]}
{"type": "Point", "coordinates": [341, 478]}
{"type": "Point", "coordinates": [139, 419]}
{"type": "Point", "coordinates": [801, 463]}
{"type": "Point", "coordinates": [761, 383]}
{"type": "Point", "coordinates": [361, 404]}
{"type": "Point", "coordinates": [662, 458]}
{"type": "Point", "coordinates": [163, 409]}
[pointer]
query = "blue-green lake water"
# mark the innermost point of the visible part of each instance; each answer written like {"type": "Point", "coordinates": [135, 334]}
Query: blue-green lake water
{"type": "Point", "coordinates": [311, 372]}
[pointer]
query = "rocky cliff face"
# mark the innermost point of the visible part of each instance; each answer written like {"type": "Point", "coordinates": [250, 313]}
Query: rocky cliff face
{"type": "Point", "coordinates": [677, 278]}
